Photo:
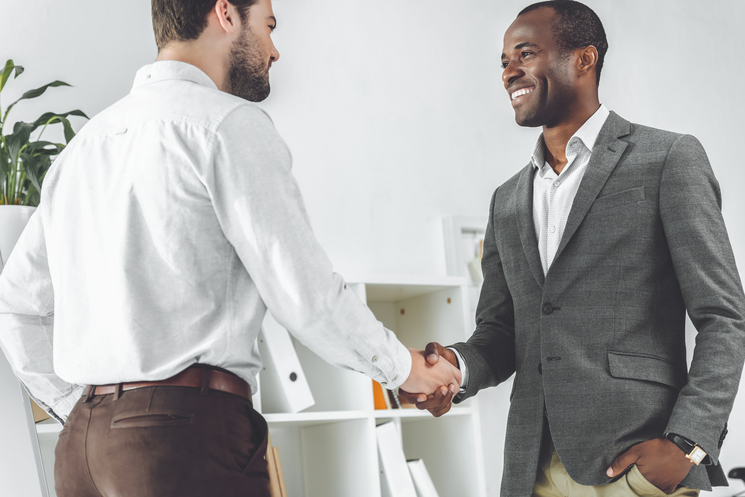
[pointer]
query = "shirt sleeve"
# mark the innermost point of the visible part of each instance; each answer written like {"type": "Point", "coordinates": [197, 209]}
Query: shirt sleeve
{"type": "Point", "coordinates": [27, 323]}
{"type": "Point", "coordinates": [463, 370]}
{"type": "Point", "coordinates": [261, 211]}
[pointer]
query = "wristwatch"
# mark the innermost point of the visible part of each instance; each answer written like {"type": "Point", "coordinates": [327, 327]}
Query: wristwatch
{"type": "Point", "coordinates": [692, 451]}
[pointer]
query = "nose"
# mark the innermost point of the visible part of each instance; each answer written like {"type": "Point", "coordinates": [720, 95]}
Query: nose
{"type": "Point", "coordinates": [511, 73]}
{"type": "Point", "coordinates": [275, 54]}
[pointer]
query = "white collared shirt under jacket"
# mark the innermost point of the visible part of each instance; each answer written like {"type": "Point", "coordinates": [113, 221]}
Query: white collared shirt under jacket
{"type": "Point", "coordinates": [553, 194]}
{"type": "Point", "coordinates": [166, 229]}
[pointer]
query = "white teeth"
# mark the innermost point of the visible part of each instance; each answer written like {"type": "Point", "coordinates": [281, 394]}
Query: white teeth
{"type": "Point", "coordinates": [522, 91]}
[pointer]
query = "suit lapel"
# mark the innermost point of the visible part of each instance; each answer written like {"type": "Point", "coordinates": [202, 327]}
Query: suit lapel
{"type": "Point", "coordinates": [605, 156]}
{"type": "Point", "coordinates": [525, 224]}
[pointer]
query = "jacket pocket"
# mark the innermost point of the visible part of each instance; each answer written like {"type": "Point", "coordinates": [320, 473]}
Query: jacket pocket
{"type": "Point", "coordinates": [646, 367]}
{"type": "Point", "coordinates": [618, 199]}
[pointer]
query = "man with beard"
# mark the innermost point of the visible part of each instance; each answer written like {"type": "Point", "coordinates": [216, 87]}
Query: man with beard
{"type": "Point", "coordinates": [166, 229]}
{"type": "Point", "coordinates": [593, 253]}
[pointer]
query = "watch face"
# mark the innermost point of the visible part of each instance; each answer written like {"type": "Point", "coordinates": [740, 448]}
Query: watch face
{"type": "Point", "coordinates": [697, 455]}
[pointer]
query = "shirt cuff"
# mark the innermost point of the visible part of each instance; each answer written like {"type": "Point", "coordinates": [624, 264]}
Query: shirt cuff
{"type": "Point", "coordinates": [463, 370]}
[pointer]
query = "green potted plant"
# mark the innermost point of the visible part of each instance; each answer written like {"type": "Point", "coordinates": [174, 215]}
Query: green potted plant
{"type": "Point", "coordinates": [24, 161]}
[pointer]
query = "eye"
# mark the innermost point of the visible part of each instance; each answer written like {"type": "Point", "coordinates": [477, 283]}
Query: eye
{"type": "Point", "coordinates": [525, 54]}
{"type": "Point", "coordinates": [504, 64]}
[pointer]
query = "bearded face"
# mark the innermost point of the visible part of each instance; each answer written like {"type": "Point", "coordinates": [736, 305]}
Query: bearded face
{"type": "Point", "coordinates": [248, 70]}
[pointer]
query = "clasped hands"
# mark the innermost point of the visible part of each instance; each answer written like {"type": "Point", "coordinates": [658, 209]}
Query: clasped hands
{"type": "Point", "coordinates": [432, 384]}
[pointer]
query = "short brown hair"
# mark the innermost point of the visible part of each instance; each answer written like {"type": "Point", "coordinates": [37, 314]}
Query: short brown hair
{"type": "Point", "coordinates": [182, 20]}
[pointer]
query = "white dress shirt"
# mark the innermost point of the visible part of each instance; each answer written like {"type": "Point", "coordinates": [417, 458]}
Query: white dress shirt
{"type": "Point", "coordinates": [553, 194]}
{"type": "Point", "coordinates": [166, 229]}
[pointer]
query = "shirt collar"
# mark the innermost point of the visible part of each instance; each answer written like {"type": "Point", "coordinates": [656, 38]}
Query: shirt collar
{"type": "Point", "coordinates": [587, 134]}
{"type": "Point", "coordinates": [164, 70]}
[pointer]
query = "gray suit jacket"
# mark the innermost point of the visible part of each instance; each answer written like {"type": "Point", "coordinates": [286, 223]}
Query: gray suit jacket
{"type": "Point", "coordinates": [598, 344]}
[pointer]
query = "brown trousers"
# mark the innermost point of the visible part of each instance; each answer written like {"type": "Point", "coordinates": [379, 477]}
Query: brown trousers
{"type": "Point", "coordinates": [162, 441]}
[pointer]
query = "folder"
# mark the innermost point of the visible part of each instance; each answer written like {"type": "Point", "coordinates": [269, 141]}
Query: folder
{"type": "Point", "coordinates": [395, 476]}
{"type": "Point", "coordinates": [378, 396]}
{"type": "Point", "coordinates": [422, 480]}
{"type": "Point", "coordinates": [283, 383]}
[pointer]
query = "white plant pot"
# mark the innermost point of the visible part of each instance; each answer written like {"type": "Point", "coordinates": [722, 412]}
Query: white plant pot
{"type": "Point", "coordinates": [13, 218]}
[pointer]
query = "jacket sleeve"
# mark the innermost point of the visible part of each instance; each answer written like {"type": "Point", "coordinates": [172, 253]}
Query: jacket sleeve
{"type": "Point", "coordinates": [489, 353]}
{"type": "Point", "coordinates": [690, 209]}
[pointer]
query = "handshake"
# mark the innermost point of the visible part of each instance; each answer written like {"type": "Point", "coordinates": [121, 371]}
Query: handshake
{"type": "Point", "coordinates": [432, 384]}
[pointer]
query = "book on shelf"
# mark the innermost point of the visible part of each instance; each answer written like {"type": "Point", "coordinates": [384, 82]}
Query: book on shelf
{"type": "Point", "coordinates": [379, 396]}
{"type": "Point", "coordinates": [395, 477]}
{"type": "Point", "coordinates": [422, 480]}
{"type": "Point", "coordinates": [281, 371]}
{"type": "Point", "coordinates": [276, 476]}
{"type": "Point", "coordinates": [388, 399]}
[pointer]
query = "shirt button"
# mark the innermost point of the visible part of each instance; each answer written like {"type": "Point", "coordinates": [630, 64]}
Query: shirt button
{"type": "Point", "coordinates": [547, 308]}
{"type": "Point", "coordinates": [552, 229]}
{"type": "Point", "coordinates": [557, 184]}
{"type": "Point", "coordinates": [375, 359]}
{"type": "Point", "coordinates": [383, 383]}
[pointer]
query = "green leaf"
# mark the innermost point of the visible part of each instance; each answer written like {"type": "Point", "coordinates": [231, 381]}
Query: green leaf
{"type": "Point", "coordinates": [16, 141]}
{"type": "Point", "coordinates": [36, 92]}
{"type": "Point", "coordinates": [48, 117]}
{"type": "Point", "coordinates": [43, 148]}
{"type": "Point", "coordinates": [69, 132]}
{"type": "Point", "coordinates": [4, 163]}
{"type": "Point", "coordinates": [9, 65]}
{"type": "Point", "coordinates": [31, 166]}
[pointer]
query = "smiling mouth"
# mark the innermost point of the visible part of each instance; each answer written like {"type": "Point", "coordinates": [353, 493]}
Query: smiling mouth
{"type": "Point", "coordinates": [521, 92]}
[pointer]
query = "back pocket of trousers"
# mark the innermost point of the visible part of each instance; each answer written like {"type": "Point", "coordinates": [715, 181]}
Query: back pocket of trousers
{"type": "Point", "coordinates": [147, 419]}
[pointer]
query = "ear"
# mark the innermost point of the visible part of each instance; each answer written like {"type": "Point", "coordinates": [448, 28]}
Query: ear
{"type": "Point", "coordinates": [226, 15]}
{"type": "Point", "coordinates": [587, 60]}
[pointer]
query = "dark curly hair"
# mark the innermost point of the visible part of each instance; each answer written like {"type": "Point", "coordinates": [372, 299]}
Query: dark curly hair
{"type": "Point", "coordinates": [575, 26]}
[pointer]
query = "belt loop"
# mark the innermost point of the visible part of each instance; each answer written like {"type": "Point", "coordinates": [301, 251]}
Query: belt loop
{"type": "Point", "coordinates": [117, 391]}
{"type": "Point", "coordinates": [88, 392]}
{"type": "Point", "coordinates": [206, 374]}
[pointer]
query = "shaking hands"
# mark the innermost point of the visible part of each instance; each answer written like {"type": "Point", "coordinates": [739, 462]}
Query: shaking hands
{"type": "Point", "coordinates": [429, 374]}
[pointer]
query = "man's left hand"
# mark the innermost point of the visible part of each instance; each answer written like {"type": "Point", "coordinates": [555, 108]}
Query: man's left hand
{"type": "Point", "coordinates": [660, 461]}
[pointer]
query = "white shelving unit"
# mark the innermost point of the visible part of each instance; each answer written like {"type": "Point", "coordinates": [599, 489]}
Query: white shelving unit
{"type": "Point", "coordinates": [330, 449]}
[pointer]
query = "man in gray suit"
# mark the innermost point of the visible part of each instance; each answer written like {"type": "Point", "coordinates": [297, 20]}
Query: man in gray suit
{"type": "Point", "coordinates": [593, 253]}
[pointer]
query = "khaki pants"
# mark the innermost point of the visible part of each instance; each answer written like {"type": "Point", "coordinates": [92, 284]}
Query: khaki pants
{"type": "Point", "coordinates": [552, 480]}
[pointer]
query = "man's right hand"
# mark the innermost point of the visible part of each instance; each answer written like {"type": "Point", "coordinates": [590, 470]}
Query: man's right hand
{"type": "Point", "coordinates": [440, 402]}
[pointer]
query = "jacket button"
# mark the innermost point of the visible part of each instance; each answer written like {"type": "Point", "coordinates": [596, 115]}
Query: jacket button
{"type": "Point", "coordinates": [547, 308]}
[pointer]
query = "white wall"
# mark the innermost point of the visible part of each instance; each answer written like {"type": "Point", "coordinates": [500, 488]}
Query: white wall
{"type": "Point", "coordinates": [396, 115]}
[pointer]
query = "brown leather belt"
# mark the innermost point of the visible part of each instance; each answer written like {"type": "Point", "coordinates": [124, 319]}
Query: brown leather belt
{"type": "Point", "coordinates": [203, 378]}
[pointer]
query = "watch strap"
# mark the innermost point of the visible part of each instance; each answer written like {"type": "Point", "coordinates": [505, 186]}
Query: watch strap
{"type": "Point", "coordinates": [691, 449]}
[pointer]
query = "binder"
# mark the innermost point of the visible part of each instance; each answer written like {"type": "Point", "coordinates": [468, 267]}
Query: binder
{"type": "Point", "coordinates": [378, 396]}
{"type": "Point", "coordinates": [422, 480]}
{"type": "Point", "coordinates": [395, 477]}
{"type": "Point", "coordinates": [283, 381]}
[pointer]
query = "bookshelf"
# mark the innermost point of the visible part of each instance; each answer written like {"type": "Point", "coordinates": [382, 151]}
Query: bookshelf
{"type": "Point", "coordinates": [330, 449]}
